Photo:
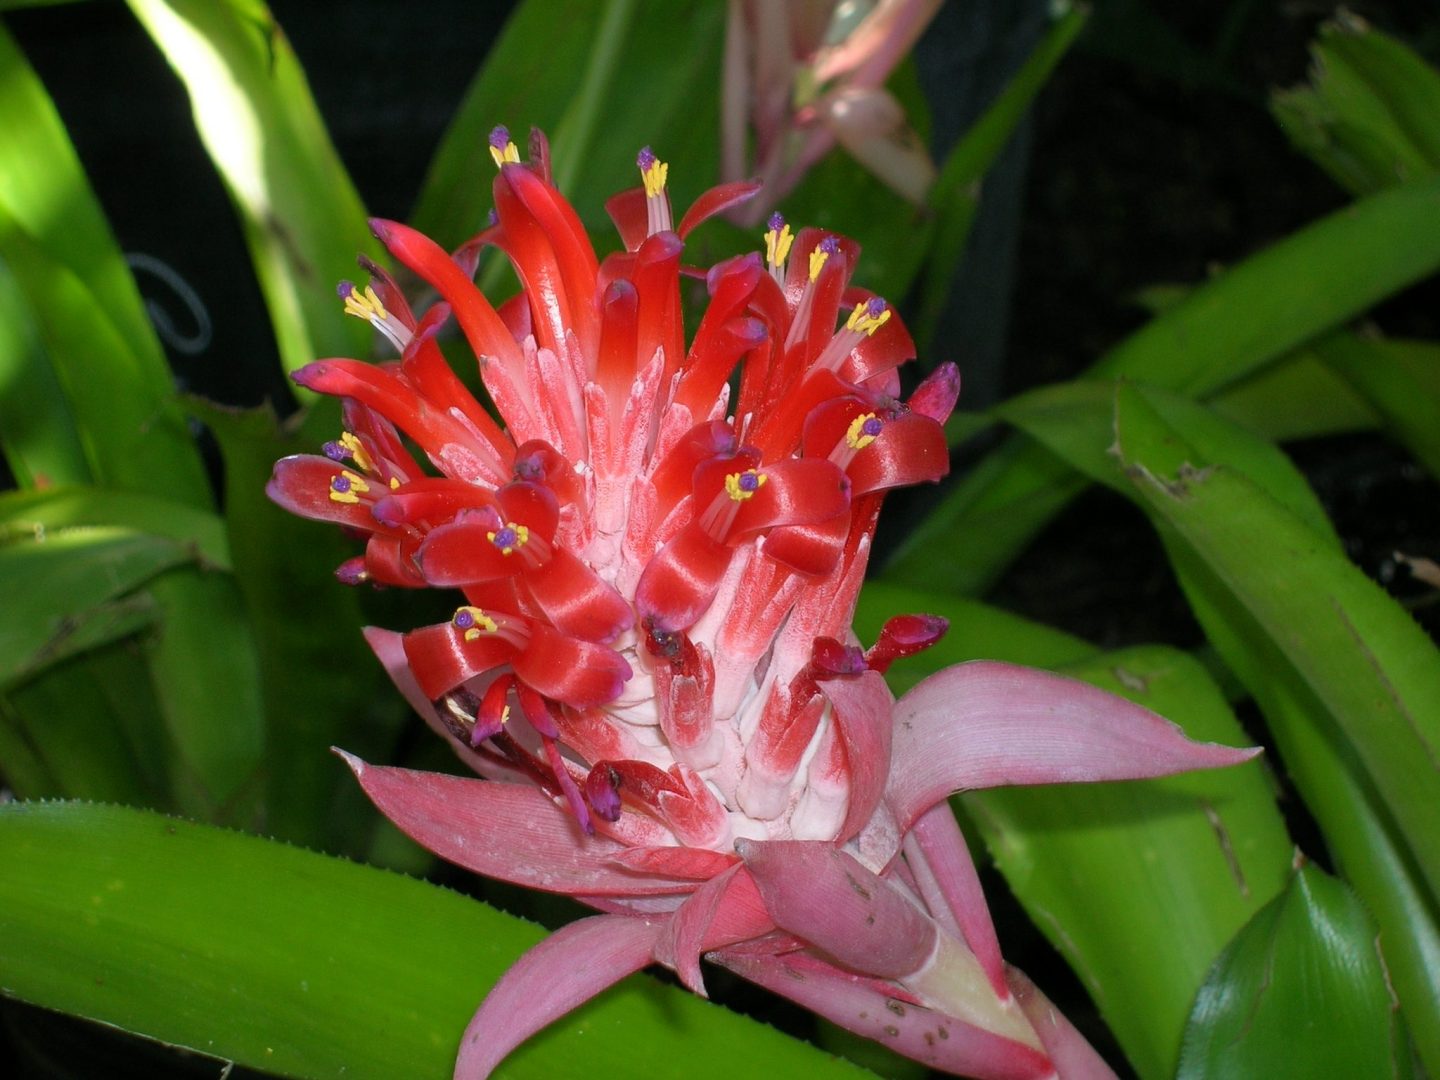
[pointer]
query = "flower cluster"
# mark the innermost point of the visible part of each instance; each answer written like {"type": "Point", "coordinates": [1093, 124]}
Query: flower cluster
{"type": "Point", "coordinates": [652, 668]}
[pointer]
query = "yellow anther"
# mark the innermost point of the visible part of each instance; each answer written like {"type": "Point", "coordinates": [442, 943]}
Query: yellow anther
{"type": "Point", "coordinates": [654, 178]}
{"type": "Point", "coordinates": [862, 321]}
{"type": "Point", "coordinates": [347, 487]}
{"type": "Point", "coordinates": [817, 260]}
{"type": "Point", "coordinates": [357, 453]}
{"type": "Point", "coordinates": [856, 436]}
{"type": "Point", "coordinates": [394, 482]}
{"type": "Point", "coordinates": [510, 154]}
{"type": "Point", "coordinates": [742, 485]}
{"type": "Point", "coordinates": [474, 622]}
{"type": "Point", "coordinates": [777, 246]}
{"type": "Point", "coordinates": [509, 538]}
{"type": "Point", "coordinates": [364, 304]}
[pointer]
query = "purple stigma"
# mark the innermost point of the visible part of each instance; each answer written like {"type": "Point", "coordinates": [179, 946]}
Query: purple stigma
{"type": "Point", "coordinates": [499, 137]}
{"type": "Point", "coordinates": [873, 426]}
{"type": "Point", "coordinates": [340, 484]}
{"type": "Point", "coordinates": [776, 222]}
{"type": "Point", "coordinates": [493, 217]}
{"type": "Point", "coordinates": [875, 307]}
{"type": "Point", "coordinates": [344, 289]}
{"type": "Point", "coordinates": [529, 467]}
{"type": "Point", "coordinates": [334, 451]}
{"type": "Point", "coordinates": [645, 159]}
{"type": "Point", "coordinates": [749, 481]}
{"type": "Point", "coordinates": [830, 245]}
{"type": "Point", "coordinates": [464, 619]}
{"type": "Point", "coordinates": [505, 538]}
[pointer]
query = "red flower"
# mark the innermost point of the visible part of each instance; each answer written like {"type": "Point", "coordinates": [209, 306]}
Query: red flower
{"type": "Point", "coordinates": [653, 667]}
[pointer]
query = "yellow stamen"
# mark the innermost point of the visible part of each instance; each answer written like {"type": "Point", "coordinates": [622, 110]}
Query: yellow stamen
{"type": "Point", "coordinates": [522, 537]}
{"type": "Point", "coordinates": [351, 494]}
{"type": "Point", "coordinates": [510, 154]}
{"type": "Point", "coordinates": [654, 178]}
{"type": "Point", "coordinates": [863, 322]}
{"type": "Point", "coordinates": [738, 493]}
{"type": "Point", "coordinates": [777, 246]}
{"type": "Point", "coordinates": [474, 622]}
{"type": "Point", "coordinates": [855, 436]}
{"type": "Point", "coordinates": [365, 305]}
{"type": "Point", "coordinates": [357, 452]}
{"type": "Point", "coordinates": [817, 260]}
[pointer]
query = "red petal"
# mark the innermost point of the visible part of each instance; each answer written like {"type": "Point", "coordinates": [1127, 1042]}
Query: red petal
{"type": "Point", "coordinates": [578, 673]}
{"type": "Point", "coordinates": [717, 200]}
{"type": "Point", "coordinates": [576, 600]}
{"type": "Point", "coordinates": [483, 328]}
{"type": "Point", "coordinates": [909, 450]}
{"type": "Point", "coordinates": [681, 579]}
{"type": "Point", "coordinates": [301, 484]}
{"type": "Point", "coordinates": [442, 659]}
{"type": "Point", "coordinates": [627, 211]}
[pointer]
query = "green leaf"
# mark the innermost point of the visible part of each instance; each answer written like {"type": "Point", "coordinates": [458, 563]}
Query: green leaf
{"type": "Point", "coordinates": [124, 411]}
{"type": "Point", "coordinates": [309, 966]}
{"type": "Point", "coordinates": [37, 433]}
{"type": "Point", "coordinates": [1368, 116]}
{"type": "Point", "coordinates": [1221, 332]}
{"type": "Point", "coordinates": [1359, 833]}
{"type": "Point", "coordinates": [1301, 992]}
{"type": "Point", "coordinates": [1164, 870]}
{"type": "Point", "coordinates": [1319, 753]}
{"type": "Point", "coordinates": [67, 592]}
{"type": "Point", "coordinates": [302, 219]}
{"type": "Point", "coordinates": [1299, 397]}
{"type": "Point", "coordinates": [1362, 655]}
{"type": "Point", "coordinates": [62, 507]}
{"type": "Point", "coordinates": [1400, 380]}
{"type": "Point", "coordinates": [321, 686]}
{"type": "Point", "coordinates": [43, 189]}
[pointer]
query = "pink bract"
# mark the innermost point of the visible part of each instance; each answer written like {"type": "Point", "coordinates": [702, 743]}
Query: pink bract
{"type": "Point", "coordinates": [657, 551]}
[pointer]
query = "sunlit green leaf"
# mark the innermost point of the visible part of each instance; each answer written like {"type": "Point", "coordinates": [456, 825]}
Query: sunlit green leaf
{"type": "Point", "coordinates": [309, 966]}
{"type": "Point", "coordinates": [302, 219]}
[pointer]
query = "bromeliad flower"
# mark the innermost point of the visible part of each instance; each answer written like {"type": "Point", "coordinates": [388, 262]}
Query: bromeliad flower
{"type": "Point", "coordinates": [808, 74]}
{"type": "Point", "coordinates": [652, 667]}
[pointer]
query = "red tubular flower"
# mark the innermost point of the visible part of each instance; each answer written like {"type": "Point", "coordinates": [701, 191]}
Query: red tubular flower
{"type": "Point", "coordinates": [651, 663]}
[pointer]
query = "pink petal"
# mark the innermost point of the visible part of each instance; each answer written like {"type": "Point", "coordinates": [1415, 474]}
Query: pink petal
{"type": "Point", "coordinates": [864, 722]}
{"type": "Point", "coordinates": [987, 724]}
{"type": "Point", "coordinates": [819, 893]}
{"type": "Point", "coordinates": [561, 973]}
{"type": "Point", "coordinates": [878, 1011]}
{"type": "Point", "coordinates": [1075, 1059]}
{"type": "Point", "coordinates": [513, 832]}
{"type": "Point", "coordinates": [940, 859]}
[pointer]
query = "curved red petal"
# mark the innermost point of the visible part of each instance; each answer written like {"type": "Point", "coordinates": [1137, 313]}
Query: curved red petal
{"type": "Point", "coordinates": [910, 449]}
{"type": "Point", "coordinates": [441, 659]}
{"type": "Point", "coordinates": [681, 579]}
{"type": "Point", "coordinates": [566, 669]}
{"type": "Point", "coordinates": [577, 601]}
{"type": "Point", "coordinates": [301, 484]}
{"type": "Point", "coordinates": [717, 200]}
